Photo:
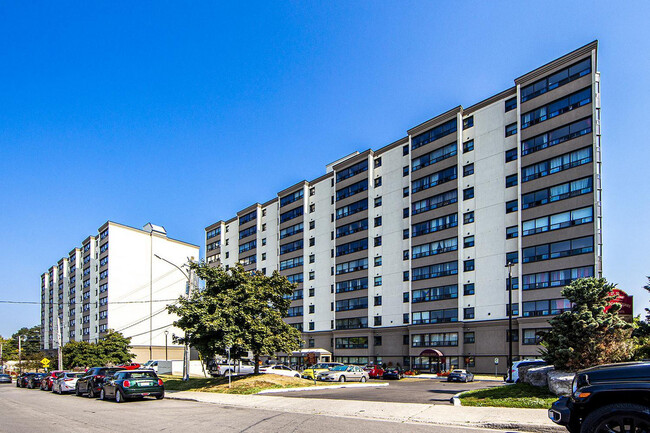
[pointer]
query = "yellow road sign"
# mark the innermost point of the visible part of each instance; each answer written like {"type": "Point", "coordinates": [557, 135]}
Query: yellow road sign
{"type": "Point", "coordinates": [45, 362]}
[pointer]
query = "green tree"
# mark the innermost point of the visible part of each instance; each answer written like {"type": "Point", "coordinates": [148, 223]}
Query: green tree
{"type": "Point", "coordinates": [237, 309]}
{"type": "Point", "coordinates": [113, 349]}
{"type": "Point", "coordinates": [30, 343]}
{"type": "Point", "coordinates": [587, 335]}
{"type": "Point", "coordinates": [641, 333]}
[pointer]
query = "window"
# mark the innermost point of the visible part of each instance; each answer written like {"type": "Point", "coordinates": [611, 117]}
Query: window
{"type": "Point", "coordinates": [352, 208]}
{"type": "Point", "coordinates": [434, 179]}
{"type": "Point", "coordinates": [378, 261]}
{"type": "Point", "coordinates": [435, 225]}
{"type": "Point", "coordinates": [377, 181]}
{"type": "Point", "coordinates": [288, 199]}
{"type": "Point", "coordinates": [378, 281]}
{"type": "Point", "coordinates": [351, 190]}
{"type": "Point", "coordinates": [511, 129]}
{"type": "Point", "coordinates": [377, 301]}
{"type": "Point", "coordinates": [377, 340]}
{"type": "Point", "coordinates": [556, 193]}
{"type": "Point", "coordinates": [352, 170]}
{"type": "Point", "coordinates": [468, 338]}
{"type": "Point", "coordinates": [435, 293]}
{"type": "Point", "coordinates": [434, 156]}
{"type": "Point", "coordinates": [213, 233]}
{"type": "Point", "coordinates": [405, 191]}
{"type": "Point", "coordinates": [311, 340]}
{"type": "Point", "coordinates": [512, 257]}
{"type": "Point", "coordinates": [545, 307]}
{"type": "Point", "coordinates": [468, 265]}
{"type": "Point", "coordinates": [248, 217]}
{"type": "Point", "coordinates": [405, 150]}
{"type": "Point", "coordinates": [263, 241]}
{"type": "Point", "coordinates": [377, 221]}
{"type": "Point", "coordinates": [558, 221]}
{"type": "Point", "coordinates": [352, 285]}
{"type": "Point", "coordinates": [405, 318]}
{"type": "Point", "coordinates": [312, 191]}
{"type": "Point", "coordinates": [511, 232]}
{"type": "Point", "coordinates": [468, 289]}
{"type": "Point", "coordinates": [515, 309]}
{"type": "Point", "coordinates": [405, 171]}
{"type": "Point", "coordinates": [312, 208]}
{"type": "Point", "coordinates": [514, 282]}
{"type": "Point", "coordinates": [434, 134]}
{"type": "Point", "coordinates": [312, 292]}
{"type": "Point", "coordinates": [557, 79]}
{"type": "Point", "coordinates": [435, 247]}
{"type": "Point", "coordinates": [378, 162]}
{"type": "Point", "coordinates": [511, 155]}
{"type": "Point", "coordinates": [312, 242]}
{"type": "Point", "coordinates": [511, 180]}
{"type": "Point", "coordinates": [435, 316]}
{"type": "Point", "coordinates": [468, 170]}
{"type": "Point", "coordinates": [294, 213]}
{"type": "Point", "coordinates": [352, 343]}
{"type": "Point", "coordinates": [352, 266]}
{"type": "Point", "coordinates": [405, 255]}
{"type": "Point", "coordinates": [556, 136]}
{"type": "Point", "coordinates": [263, 256]}
{"type": "Point", "coordinates": [468, 193]}
{"type": "Point", "coordinates": [534, 336]}
{"type": "Point", "coordinates": [286, 248]}
{"type": "Point", "coordinates": [435, 340]}
{"type": "Point", "coordinates": [405, 297]}
{"type": "Point", "coordinates": [514, 335]}
{"type": "Point", "coordinates": [555, 278]}
{"type": "Point", "coordinates": [377, 201]}
{"type": "Point", "coordinates": [311, 309]}
{"type": "Point", "coordinates": [352, 247]}
{"type": "Point", "coordinates": [511, 104]}
{"type": "Point", "coordinates": [377, 241]}
{"type": "Point", "coordinates": [294, 311]}
{"type": "Point", "coordinates": [405, 234]}
{"type": "Point", "coordinates": [468, 122]}
{"type": "Point", "coordinates": [291, 263]}
{"type": "Point", "coordinates": [566, 248]}
{"type": "Point", "coordinates": [377, 320]}
{"type": "Point", "coordinates": [435, 271]}
{"type": "Point", "coordinates": [556, 108]}
{"type": "Point", "coordinates": [468, 241]}
{"type": "Point", "coordinates": [511, 206]}
{"type": "Point", "coordinates": [312, 275]}
{"type": "Point", "coordinates": [468, 313]}
{"type": "Point", "coordinates": [557, 164]}
{"type": "Point", "coordinates": [468, 217]}
{"type": "Point", "coordinates": [437, 201]}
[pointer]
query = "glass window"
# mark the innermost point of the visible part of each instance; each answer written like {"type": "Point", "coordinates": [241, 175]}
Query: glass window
{"type": "Point", "coordinates": [511, 104]}
{"type": "Point", "coordinates": [468, 169]}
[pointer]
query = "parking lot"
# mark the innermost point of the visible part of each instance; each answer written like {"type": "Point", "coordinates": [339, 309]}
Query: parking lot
{"type": "Point", "coordinates": [431, 391]}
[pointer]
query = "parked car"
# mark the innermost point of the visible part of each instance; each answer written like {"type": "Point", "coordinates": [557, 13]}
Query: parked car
{"type": "Point", "coordinates": [344, 373]}
{"type": "Point", "coordinates": [607, 398]}
{"type": "Point", "coordinates": [314, 371]}
{"type": "Point", "coordinates": [159, 366]}
{"type": "Point", "coordinates": [393, 373]}
{"type": "Point", "coordinates": [130, 366]}
{"type": "Point", "coordinates": [5, 378]}
{"type": "Point", "coordinates": [374, 371]}
{"type": "Point", "coordinates": [34, 380]}
{"type": "Point", "coordinates": [282, 370]}
{"type": "Point", "coordinates": [48, 380]}
{"type": "Point", "coordinates": [21, 380]}
{"type": "Point", "coordinates": [523, 363]}
{"type": "Point", "coordinates": [460, 375]}
{"type": "Point", "coordinates": [236, 367]}
{"type": "Point", "coordinates": [66, 382]}
{"type": "Point", "coordinates": [124, 385]}
{"type": "Point", "coordinates": [92, 381]}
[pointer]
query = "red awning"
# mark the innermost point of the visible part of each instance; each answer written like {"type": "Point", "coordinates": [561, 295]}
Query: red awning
{"type": "Point", "coordinates": [431, 352]}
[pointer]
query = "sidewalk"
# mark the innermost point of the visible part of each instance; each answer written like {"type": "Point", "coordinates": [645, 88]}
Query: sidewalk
{"type": "Point", "coordinates": [525, 420]}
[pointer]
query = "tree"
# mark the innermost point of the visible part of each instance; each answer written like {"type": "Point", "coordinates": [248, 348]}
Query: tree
{"type": "Point", "coordinates": [113, 349]}
{"type": "Point", "coordinates": [30, 344]}
{"type": "Point", "coordinates": [237, 309]}
{"type": "Point", "coordinates": [587, 335]}
{"type": "Point", "coordinates": [641, 333]}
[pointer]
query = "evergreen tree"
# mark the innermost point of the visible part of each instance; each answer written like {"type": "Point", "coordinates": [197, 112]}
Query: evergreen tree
{"type": "Point", "coordinates": [587, 335]}
{"type": "Point", "coordinates": [113, 349]}
{"type": "Point", "coordinates": [237, 309]}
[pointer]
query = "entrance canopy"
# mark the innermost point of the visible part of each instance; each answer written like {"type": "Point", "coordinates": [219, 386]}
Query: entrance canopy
{"type": "Point", "coordinates": [431, 353]}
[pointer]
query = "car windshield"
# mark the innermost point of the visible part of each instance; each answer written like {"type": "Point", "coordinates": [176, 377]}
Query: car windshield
{"type": "Point", "coordinates": [339, 368]}
{"type": "Point", "coordinates": [140, 375]}
{"type": "Point", "coordinates": [75, 374]}
{"type": "Point", "coordinates": [4, 375]}
{"type": "Point", "coordinates": [320, 366]}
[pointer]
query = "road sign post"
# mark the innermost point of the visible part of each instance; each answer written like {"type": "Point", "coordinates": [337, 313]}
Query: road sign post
{"type": "Point", "coordinates": [496, 366]}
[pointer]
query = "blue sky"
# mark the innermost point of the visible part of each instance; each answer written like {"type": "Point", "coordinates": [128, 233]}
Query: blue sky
{"type": "Point", "coordinates": [182, 114]}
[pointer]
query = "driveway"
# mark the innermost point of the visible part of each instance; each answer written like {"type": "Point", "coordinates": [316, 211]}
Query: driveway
{"type": "Point", "coordinates": [430, 391]}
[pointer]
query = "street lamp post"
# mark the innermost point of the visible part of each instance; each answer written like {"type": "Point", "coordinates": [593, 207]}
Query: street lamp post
{"type": "Point", "coordinates": [509, 266]}
{"type": "Point", "coordinates": [186, 351]}
{"type": "Point", "coordinates": [166, 334]}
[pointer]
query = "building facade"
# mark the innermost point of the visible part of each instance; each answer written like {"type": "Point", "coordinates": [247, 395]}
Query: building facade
{"type": "Point", "coordinates": [119, 280]}
{"type": "Point", "coordinates": [404, 249]}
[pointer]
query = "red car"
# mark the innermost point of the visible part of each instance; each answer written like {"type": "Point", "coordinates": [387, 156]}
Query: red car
{"type": "Point", "coordinates": [374, 371]}
{"type": "Point", "coordinates": [48, 380]}
{"type": "Point", "coordinates": [130, 366]}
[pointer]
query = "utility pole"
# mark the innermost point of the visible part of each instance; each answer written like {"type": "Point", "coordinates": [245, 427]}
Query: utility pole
{"type": "Point", "coordinates": [509, 265]}
{"type": "Point", "coordinates": [20, 355]}
{"type": "Point", "coordinates": [2, 361]}
{"type": "Point", "coordinates": [186, 355]}
{"type": "Point", "coordinates": [59, 338]}
{"type": "Point", "coordinates": [151, 294]}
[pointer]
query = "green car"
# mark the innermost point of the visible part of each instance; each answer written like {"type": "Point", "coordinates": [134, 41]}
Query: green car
{"type": "Point", "coordinates": [128, 384]}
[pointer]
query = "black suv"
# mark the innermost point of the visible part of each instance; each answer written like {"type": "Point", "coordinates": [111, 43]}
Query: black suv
{"type": "Point", "coordinates": [93, 380]}
{"type": "Point", "coordinates": [607, 398]}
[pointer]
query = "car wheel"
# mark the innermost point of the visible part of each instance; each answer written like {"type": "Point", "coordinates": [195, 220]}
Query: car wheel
{"type": "Point", "coordinates": [102, 396]}
{"type": "Point", "coordinates": [227, 373]}
{"type": "Point", "coordinates": [59, 390]}
{"type": "Point", "coordinates": [617, 417]}
{"type": "Point", "coordinates": [119, 397]}
{"type": "Point", "coordinates": [76, 391]}
{"type": "Point", "coordinates": [297, 375]}
{"type": "Point", "coordinates": [342, 379]}
{"type": "Point", "coordinates": [363, 379]}
{"type": "Point", "coordinates": [30, 385]}
{"type": "Point", "coordinates": [161, 396]}
{"type": "Point", "coordinates": [91, 392]}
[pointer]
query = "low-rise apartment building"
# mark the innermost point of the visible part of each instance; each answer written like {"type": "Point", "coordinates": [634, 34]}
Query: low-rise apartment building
{"type": "Point", "coordinates": [399, 254]}
{"type": "Point", "coordinates": [119, 279]}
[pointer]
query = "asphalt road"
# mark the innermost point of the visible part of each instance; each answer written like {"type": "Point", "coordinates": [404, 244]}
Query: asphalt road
{"type": "Point", "coordinates": [34, 411]}
{"type": "Point", "coordinates": [430, 391]}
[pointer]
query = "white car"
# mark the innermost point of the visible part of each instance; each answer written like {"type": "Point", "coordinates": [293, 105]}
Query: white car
{"type": "Point", "coordinates": [344, 373]}
{"type": "Point", "coordinates": [67, 382]}
{"type": "Point", "coordinates": [282, 370]}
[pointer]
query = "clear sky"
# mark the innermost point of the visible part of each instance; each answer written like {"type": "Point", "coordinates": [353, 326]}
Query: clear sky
{"type": "Point", "coordinates": [182, 113]}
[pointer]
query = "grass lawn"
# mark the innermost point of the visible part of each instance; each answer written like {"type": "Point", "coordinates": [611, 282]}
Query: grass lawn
{"type": "Point", "coordinates": [520, 395]}
{"type": "Point", "coordinates": [251, 384]}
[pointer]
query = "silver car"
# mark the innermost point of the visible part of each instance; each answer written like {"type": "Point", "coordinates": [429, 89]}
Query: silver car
{"type": "Point", "coordinates": [343, 373]}
{"type": "Point", "coordinates": [66, 382]}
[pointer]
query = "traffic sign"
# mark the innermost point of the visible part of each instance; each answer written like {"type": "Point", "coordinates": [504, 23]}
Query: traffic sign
{"type": "Point", "coordinates": [45, 362]}
{"type": "Point", "coordinates": [496, 361]}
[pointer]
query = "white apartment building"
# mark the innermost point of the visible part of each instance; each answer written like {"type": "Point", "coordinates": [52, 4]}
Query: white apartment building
{"type": "Point", "coordinates": [121, 279]}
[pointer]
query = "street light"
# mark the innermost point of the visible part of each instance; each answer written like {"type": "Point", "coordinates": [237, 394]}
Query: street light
{"type": "Point", "coordinates": [509, 266]}
{"type": "Point", "coordinates": [166, 334]}
{"type": "Point", "coordinates": [186, 352]}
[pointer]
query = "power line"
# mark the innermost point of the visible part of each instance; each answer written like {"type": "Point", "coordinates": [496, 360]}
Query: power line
{"type": "Point", "coordinates": [81, 303]}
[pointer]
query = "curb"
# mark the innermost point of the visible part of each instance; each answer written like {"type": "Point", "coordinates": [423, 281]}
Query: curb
{"type": "Point", "coordinates": [455, 400]}
{"type": "Point", "coordinates": [325, 387]}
